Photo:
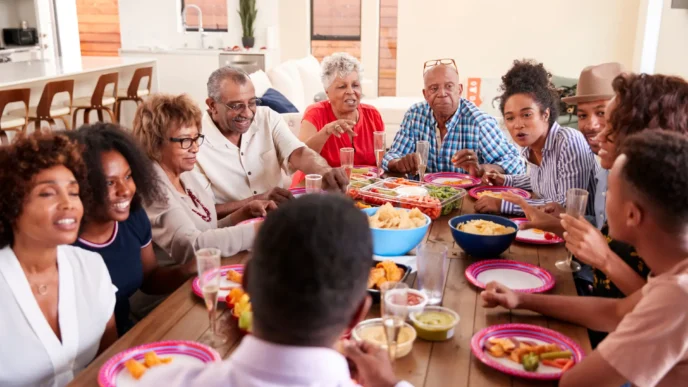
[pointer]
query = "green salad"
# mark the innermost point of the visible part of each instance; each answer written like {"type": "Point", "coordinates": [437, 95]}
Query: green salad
{"type": "Point", "coordinates": [442, 193]}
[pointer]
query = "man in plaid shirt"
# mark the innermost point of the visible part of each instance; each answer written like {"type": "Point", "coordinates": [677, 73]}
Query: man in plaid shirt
{"type": "Point", "coordinates": [462, 137]}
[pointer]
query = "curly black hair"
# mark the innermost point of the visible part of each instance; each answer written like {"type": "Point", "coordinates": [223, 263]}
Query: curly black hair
{"type": "Point", "coordinates": [657, 167]}
{"type": "Point", "coordinates": [648, 101]}
{"type": "Point", "coordinates": [530, 77]}
{"type": "Point", "coordinates": [102, 137]}
{"type": "Point", "coordinates": [21, 161]}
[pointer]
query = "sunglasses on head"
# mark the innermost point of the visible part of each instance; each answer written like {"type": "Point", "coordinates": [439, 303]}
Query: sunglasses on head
{"type": "Point", "coordinates": [436, 62]}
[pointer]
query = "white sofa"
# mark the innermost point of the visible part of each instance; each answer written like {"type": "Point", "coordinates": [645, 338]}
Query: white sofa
{"type": "Point", "coordinates": [299, 81]}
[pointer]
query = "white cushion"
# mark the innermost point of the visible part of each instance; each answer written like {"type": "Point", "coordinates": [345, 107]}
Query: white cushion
{"type": "Point", "coordinates": [261, 82]}
{"type": "Point", "coordinates": [309, 70]}
{"type": "Point", "coordinates": [393, 109]}
{"type": "Point", "coordinates": [86, 101]}
{"type": "Point", "coordinates": [293, 120]}
{"type": "Point", "coordinates": [285, 79]}
{"type": "Point", "coordinates": [140, 92]}
{"type": "Point", "coordinates": [7, 122]}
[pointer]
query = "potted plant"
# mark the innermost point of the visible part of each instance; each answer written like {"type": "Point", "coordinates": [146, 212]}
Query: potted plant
{"type": "Point", "coordinates": [247, 13]}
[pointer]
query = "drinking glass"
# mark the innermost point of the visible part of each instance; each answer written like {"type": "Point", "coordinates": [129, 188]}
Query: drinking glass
{"type": "Point", "coordinates": [379, 149]}
{"type": "Point", "coordinates": [346, 158]}
{"type": "Point", "coordinates": [313, 183]}
{"type": "Point", "coordinates": [432, 270]}
{"type": "Point", "coordinates": [576, 201]}
{"type": "Point", "coordinates": [423, 151]}
{"type": "Point", "coordinates": [208, 262]}
{"type": "Point", "coordinates": [394, 304]}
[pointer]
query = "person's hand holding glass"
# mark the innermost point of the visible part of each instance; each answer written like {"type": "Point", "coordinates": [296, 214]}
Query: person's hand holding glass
{"type": "Point", "coordinates": [208, 261]}
{"type": "Point", "coordinates": [576, 202]}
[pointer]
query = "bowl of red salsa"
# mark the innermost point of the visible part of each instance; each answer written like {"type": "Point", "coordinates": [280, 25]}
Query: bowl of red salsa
{"type": "Point", "coordinates": [415, 300]}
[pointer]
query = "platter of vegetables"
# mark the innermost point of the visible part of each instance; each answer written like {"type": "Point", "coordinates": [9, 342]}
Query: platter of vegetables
{"type": "Point", "coordinates": [526, 351]}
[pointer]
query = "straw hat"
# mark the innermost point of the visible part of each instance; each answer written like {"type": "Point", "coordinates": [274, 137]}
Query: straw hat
{"type": "Point", "coordinates": [595, 83]}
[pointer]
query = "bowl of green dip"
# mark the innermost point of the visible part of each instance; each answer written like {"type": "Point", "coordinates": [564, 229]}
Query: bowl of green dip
{"type": "Point", "coordinates": [435, 323]}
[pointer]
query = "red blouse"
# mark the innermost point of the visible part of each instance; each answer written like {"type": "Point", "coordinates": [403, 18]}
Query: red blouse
{"type": "Point", "coordinates": [369, 120]}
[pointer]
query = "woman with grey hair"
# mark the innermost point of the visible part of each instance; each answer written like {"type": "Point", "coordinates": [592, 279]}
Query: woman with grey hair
{"type": "Point", "coordinates": [341, 121]}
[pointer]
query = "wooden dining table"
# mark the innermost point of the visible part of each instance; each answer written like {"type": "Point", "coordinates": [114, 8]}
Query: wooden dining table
{"type": "Point", "coordinates": [183, 316]}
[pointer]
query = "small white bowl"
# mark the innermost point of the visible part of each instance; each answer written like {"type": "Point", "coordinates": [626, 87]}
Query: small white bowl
{"type": "Point", "coordinates": [378, 338]}
{"type": "Point", "coordinates": [411, 308]}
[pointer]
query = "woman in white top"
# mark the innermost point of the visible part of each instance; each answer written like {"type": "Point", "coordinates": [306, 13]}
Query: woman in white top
{"type": "Point", "coordinates": [168, 127]}
{"type": "Point", "coordinates": [57, 301]}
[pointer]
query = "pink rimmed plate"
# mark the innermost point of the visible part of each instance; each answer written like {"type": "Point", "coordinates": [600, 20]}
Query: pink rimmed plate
{"type": "Point", "coordinates": [452, 179]}
{"type": "Point", "coordinates": [535, 236]}
{"type": "Point", "coordinates": [496, 189]}
{"type": "Point", "coordinates": [225, 284]}
{"type": "Point", "coordinates": [523, 332]}
{"type": "Point", "coordinates": [518, 276]}
{"type": "Point", "coordinates": [114, 374]}
{"type": "Point", "coordinates": [298, 192]}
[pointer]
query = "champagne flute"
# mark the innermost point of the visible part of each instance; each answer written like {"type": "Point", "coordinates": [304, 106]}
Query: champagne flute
{"type": "Point", "coordinates": [208, 262]}
{"type": "Point", "coordinates": [423, 151]}
{"type": "Point", "coordinates": [576, 201]}
{"type": "Point", "coordinates": [394, 314]}
{"type": "Point", "coordinates": [379, 149]}
{"type": "Point", "coordinates": [346, 159]}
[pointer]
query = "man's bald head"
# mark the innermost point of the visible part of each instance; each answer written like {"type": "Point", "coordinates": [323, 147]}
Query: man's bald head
{"type": "Point", "coordinates": [442, 90]}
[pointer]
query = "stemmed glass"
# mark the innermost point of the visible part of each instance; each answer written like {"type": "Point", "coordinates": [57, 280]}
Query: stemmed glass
{"type": "Point", "coordinates": [379, 149]}
{"type": "Point", "coordinates": [346, 158]}
{"type": "Point", "coordinates": [423, 151]}
{"type": "Point", "coordinates": [208, 262]}
{"type": "Point", "coordinates": [576, 201]}
{"type": "Point", "coordinates": [394, 304]}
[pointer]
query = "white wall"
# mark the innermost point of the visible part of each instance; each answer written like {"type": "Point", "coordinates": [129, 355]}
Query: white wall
{"type": "Point", "coordinates": [294, 29]}
{"type": "Point", "coordinates": [157, 23]}
{"type": "Point", "coordinates": [672, 51]}
{"type": "Point", "coordinates": [484, 37]}
{"type": "Point", "coordinates": [68, 26]}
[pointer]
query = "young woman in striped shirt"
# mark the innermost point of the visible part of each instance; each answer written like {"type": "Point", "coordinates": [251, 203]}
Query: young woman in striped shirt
{"type": "Point", "coordinates": [558, 158]}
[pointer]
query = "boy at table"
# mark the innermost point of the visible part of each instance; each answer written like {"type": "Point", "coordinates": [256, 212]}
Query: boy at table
{"type": "Point", "coordinates": [302, 304]}
{"type": "Point", "coordinates": [647, 208]}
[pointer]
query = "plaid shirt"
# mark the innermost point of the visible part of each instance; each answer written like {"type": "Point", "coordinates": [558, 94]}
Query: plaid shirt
{"type": "Point", "coordinates": [567, 162]}
{"type": "Point", "coordinates": [469, 128]}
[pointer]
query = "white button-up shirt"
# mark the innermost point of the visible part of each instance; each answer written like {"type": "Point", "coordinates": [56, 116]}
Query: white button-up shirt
{"type": "Point", "coordinates": [257, 165]}
{"type": "Point", "coordinates": [257, 363]}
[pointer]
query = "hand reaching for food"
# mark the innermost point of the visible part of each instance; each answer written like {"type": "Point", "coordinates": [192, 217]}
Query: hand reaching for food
{"type": "Point", "coordinates": [496, 294]}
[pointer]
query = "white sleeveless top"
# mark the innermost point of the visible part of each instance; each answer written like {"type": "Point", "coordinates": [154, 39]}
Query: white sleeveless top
{"type": "Point", "coordinates": [30, 352]}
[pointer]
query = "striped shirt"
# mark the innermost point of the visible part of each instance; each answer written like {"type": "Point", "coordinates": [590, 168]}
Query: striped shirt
{"type": "Point", "coordinates": [469, 128]}
{"type": "Point", "coordinates": [567, 162]}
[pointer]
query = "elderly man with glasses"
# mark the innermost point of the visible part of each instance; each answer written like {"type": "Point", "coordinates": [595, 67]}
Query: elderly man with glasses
{"type": "Point", "coordinates": [462, 137]}
{"type": "Point", "coordinates": [248, 147]}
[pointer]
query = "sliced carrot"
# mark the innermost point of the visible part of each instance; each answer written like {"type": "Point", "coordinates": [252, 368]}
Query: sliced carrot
{"type": "Point", "coordinates": [567, 366]}
{"type": "Point", "coordinates": [551, 363]}
{"type": "Point", "coordinates": [562, 362]}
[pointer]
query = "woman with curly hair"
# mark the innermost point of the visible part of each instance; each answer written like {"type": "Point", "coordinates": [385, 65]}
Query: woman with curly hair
{"type": "Point", "coordinates": [57, 300]}
{"type": "Point", "coordinates": [116, 226]}
{"type": "Point", "coordinates": [558, 158]}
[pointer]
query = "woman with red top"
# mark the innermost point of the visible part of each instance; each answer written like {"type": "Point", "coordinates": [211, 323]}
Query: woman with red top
{"type": "Point", "coordinates": [342, 121]}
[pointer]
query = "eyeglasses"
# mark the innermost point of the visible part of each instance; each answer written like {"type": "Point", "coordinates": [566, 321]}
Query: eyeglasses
{"type": "Point", "coordinates": [240, 107]}
{"type": "Point", "coordinates": [186, 142]}
{"type": "Point", "coordinates": [436, 62]}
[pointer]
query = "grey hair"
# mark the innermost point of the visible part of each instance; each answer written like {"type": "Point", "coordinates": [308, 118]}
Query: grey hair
{"type": "Point", "coordinates": [237, 75]}
{"type": "Point", "coordinates": [339, 64]}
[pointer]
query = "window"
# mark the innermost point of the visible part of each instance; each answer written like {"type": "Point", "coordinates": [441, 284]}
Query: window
{"type": "Point", "coordinates": [214, 15]}
{"type": "Point", "coordinates": [336, 20]}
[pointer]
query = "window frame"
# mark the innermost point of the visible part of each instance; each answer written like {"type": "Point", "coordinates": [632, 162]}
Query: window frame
{"type": "Point", "coordinates": [195, 29]}
{"type": "Point", "coordinates": [355, 38]}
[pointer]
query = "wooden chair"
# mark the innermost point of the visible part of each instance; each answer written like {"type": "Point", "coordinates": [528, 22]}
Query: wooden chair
{"type": "Point", "coordinates": [10, 122]}
{"type": "Point", "coordinates": [133, 92]}
{"type": "Point", "coordinates": [45, 111]}
{"type": "Point", "coordinates": [98, 101]}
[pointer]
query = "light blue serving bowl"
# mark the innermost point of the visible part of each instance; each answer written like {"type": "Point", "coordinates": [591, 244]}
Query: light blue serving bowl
{"type": "Point", "coordinates": [482, 246]}
{"type": "Point", "coordinates": [390, 242]}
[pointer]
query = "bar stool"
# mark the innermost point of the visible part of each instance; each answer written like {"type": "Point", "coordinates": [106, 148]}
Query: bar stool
{"type": "Point", "coordinates": [98, 101]}
{"type": "Point", "coordinates": [45, 111]}
{"type": "Point", "coordinates": [133, 93]}
{"type": "Point", "coordinates": [9, 122]}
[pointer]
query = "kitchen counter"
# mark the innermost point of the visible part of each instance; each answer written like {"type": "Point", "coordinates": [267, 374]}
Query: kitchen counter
{"type": "Point", "coordinates": [11, 49]}
{"type": "Point", "coordinates": [19, 73]}
{"type": "Point", "coordinates": [189, 51]}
